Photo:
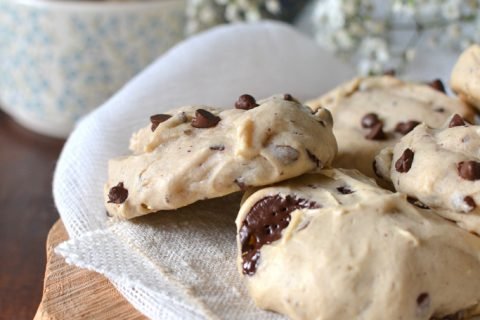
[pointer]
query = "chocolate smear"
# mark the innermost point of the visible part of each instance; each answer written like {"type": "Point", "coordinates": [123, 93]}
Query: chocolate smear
{"type": "Point", "coordinates": [264, 224]}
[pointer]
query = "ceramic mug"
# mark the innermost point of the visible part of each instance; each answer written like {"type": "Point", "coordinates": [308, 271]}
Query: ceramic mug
{"type": "Point", "coordinates": [61, 59]}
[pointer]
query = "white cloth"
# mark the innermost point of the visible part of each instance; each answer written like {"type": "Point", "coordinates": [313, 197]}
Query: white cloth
{"type": "Point", "coordinates": [180, 264]}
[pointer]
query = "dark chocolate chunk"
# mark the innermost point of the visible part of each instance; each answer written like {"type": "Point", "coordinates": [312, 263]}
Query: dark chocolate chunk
{"type": "Point", "coordinates": [217, 147]}
{"type": "Point", "coordinates": [470, 202]}
{"type": "Point", "coordinates": [404, 163]}
{"type": "Point", "coordinates": [417, 203]}
{"type": "Point", "coordinates": [376, 132]}
{"type": "Point", "coordinates": [118, 194]}
{"type": "Point", "coordinates": [245, 102]}
{"type": "Point", "coordinates": [156, 119]}
{"type": "Point", "coordinates": [345, 190]}
{"type": "Point", "coordinates": [440, 110]}
{"type": "Point", "coordinates": [264, 224]}
{"type": "Point", "coordinates": [205, 119]}
{"type": "Point", "coordinates": [423, 301]}
{"type": "Point", "coordinates": [406, 127]}
{"type": "Point", "coordinates": [288, 97]}
{"type": "Point", "coordinates": [313, 158]}
{"type": "Point", "coordinates": [437, 84]}
{"type": "Point", "coordinates": [457, 121]}
{"type": "Point", "coordinates": [469, 170]}
{"type": "Point", "coordinates": [369, 120]}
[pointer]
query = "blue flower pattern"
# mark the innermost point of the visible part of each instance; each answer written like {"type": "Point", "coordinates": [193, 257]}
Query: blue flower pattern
{"type": "Point", "coordinates": [102, 52]}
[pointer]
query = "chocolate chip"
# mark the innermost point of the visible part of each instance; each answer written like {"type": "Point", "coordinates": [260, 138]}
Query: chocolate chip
{"type": "Point", "coordinates": [457, 121]}
{"type": "Point", "coordinates": [437, 84]}
{"type": "Point", "coordinates": [156, 119]}
{"type": "Point", "coordinates": [286, 154]}
{"type": "Point", "coordinates": [217, 147]}
{"type": "Point", "coordinates": [404, 163]}
{"type": "Point", "coordinates": [108, 214]}
{"type": "Point", "coordinates": [440, 109]}
{"type": "Point", "coordinates": [369, 120]}
{"type": "Point", "coordinates": [288, 97]}
{"type": "Point", "coordinates": [470, 202]}
{"type": "Point", "coordinates": [376, 132]}
{"type": "Point", "coordinates": [245, 102]}
{"type": "Point", "coordinates": [423, 301]}
{"type": "Point", "coordinates": [264, 224]}
{"type": "Point", "coordinates": [117, 194]}
{"type": "Point", "coordinates": [469, 170]}
{"type": "Point", "coordinates": [406, 127]}
{"type": "Point", "coordinates": [345, 190]}
{"type": "Point", "coordinates": [313, 157]}
{"type": "Point", "coordinates": [204, 119]}
{"type": "Point", "coordinates": [417, 203]}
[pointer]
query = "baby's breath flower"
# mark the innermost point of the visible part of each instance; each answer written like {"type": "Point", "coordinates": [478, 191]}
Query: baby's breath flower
{"type": "Point", "coordinates": [366, 31]}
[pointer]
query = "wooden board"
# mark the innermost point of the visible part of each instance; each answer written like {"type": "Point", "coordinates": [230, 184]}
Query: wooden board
{"type": "Point", "coordinates": [73, 293]}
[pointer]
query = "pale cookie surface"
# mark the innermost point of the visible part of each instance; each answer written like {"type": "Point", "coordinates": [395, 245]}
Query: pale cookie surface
{"type": "Point", "coordinates": [397, 106]}
{"type": "Point", "coordinates": [193, 155]}
{"type": "Point", "coordinates": [335, 246]}
{"type": "Point", "coordinates": [439, 167]}
{"type": "Point", "coordinates": [465, 78]}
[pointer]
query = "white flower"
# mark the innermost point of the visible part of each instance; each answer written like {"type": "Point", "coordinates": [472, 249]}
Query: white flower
{"type": "Point", "coordinates": [273, 6]}
{"type": "Point", "coordinates": [329, 14]}
{"type": "Point", "coordinates": [451, 9]}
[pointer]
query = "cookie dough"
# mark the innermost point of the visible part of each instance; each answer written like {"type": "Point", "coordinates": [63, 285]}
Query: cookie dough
{"type": "Point", "coordinates": [335, 246]}
{"type": "Point", "coordinates": [374, 112]}
{"type": "Point", "coordinates": [465, 78]}
{"type": "Point", "coordinates": [197, 152]}
{"type": "Point", "coordinates": [440, 168]}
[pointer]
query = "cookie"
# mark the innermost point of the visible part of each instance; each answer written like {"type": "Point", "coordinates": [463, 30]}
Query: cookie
{"type": "Point", "coordinates": [465, 78]}
{"type": "Point", "coordinates": [335, 246]}
{"type": "Point", "coordinates": [197, 152]}
{"type": "Point", "coordinates": [440, 168]}
{"type": "Point", "coordinates": [372, 113]}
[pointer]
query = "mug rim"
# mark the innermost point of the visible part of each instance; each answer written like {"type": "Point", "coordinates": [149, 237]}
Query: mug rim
{"type": "Point", "coordinates": [87, 5]}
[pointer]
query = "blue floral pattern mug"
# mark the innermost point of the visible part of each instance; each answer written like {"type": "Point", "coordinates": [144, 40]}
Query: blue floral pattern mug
{"type": "Point", "coordinates": [61, 59]}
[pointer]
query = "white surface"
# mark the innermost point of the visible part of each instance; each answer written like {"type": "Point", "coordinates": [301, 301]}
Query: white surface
{"type": "Point", "coordinates": [153, 267]}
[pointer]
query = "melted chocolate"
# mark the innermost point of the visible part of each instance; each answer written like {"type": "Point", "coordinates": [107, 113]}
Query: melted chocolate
{"type": "Point", "coordinates": [264, 224]}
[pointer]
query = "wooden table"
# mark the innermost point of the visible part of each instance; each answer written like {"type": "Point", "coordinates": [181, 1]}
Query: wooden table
{"type": "Point", "coordinates": [27, 212]}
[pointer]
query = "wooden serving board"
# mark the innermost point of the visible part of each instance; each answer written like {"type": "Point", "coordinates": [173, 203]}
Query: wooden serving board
{"type": "Point", "coordinates": [73, 293]}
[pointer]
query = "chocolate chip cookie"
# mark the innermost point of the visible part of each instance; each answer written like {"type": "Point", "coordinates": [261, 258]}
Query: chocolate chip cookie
{"type": "Point", "coordinates": [333, 245]}
{"type": "Point", "coordinates": [198, 152]}
{"type": "Point", "coordinates": [465, 78]}
{"type": "Point", "coordinates": [372, 113]}
{"type": "Point", "coordinates": [440, 168]}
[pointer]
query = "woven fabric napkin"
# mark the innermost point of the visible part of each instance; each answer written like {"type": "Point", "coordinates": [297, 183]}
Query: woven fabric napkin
{"type": "Point", "coordinates": [180, 264]}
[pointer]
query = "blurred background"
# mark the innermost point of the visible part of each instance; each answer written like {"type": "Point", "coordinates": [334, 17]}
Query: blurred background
{"type": "Point", "coordinates": [59, 60]}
